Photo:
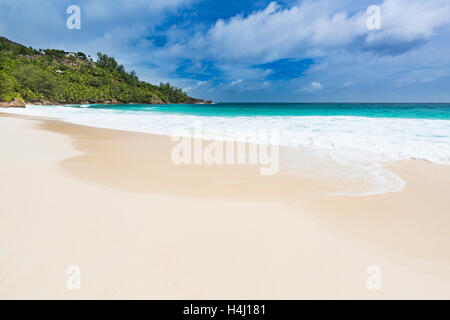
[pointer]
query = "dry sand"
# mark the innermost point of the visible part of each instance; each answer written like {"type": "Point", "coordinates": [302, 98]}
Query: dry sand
{"type": "Point", "coordinates": [138, 226]}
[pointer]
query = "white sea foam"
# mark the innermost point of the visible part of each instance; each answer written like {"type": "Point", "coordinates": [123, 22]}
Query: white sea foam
{"type": "Point", "coordinates": [357, 143]}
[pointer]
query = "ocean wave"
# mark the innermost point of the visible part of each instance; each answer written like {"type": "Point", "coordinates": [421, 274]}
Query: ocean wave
{"type": "Point", "coordinates": [359, 143]}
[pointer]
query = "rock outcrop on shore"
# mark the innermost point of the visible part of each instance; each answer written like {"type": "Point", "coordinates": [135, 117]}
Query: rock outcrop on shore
{"type": "Point", "coordinates": [15, 103]}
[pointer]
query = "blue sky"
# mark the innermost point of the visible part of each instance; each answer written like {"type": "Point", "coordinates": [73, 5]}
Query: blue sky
{"type": "Point", "coordinates": [286, 51]}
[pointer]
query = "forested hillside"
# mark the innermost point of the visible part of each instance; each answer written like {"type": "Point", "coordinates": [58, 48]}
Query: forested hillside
{"type": "Point", "coordinates": [57, 77]}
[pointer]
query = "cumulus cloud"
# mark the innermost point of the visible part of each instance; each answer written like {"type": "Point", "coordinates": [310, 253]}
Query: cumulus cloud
{"type": "Point", "coordinates": [106, 25]}
{"type": "Point", "coordinates": [311, 28]}
{"type": "Point", "coordinates": [407, 24]}
{"type": "Point", "coordinates": [276, 33]}
{"type": "Point", "coordinates": [408, 20]}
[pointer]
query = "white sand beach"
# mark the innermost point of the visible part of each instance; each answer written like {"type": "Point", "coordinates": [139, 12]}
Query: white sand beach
{"type": "Point", "coordinates": [112, 203]}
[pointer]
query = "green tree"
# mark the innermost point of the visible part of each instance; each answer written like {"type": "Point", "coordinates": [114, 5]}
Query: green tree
{"type": "Point", "coordinates": [7, 87]}
{"type": "Point", "coordinates": [40, 82]}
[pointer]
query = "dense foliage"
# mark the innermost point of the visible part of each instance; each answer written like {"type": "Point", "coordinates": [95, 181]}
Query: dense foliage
{"type": "Point", "coordinates": [55, 76]}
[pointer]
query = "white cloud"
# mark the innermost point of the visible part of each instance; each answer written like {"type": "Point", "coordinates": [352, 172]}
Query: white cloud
{"type": "Point", "coordinates": [233, 83]}
{"type": "Point", "coordinates": [314, 86]}
{"type": "Point", "coordinates": [312, 28]}
{"type": "Point", "coordinates": [411, 19]}
{"type": "Point", "coordinates": [274, 33]}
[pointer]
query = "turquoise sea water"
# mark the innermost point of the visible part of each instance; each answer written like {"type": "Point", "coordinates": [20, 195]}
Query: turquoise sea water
{"type": "Point", "coordinates": [377, 110]}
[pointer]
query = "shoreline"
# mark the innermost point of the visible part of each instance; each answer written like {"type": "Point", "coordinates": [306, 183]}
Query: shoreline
{"type": "Point", "coordinates": [364, 183]}
{"type": "Point", "coordinates": [182, 229]}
